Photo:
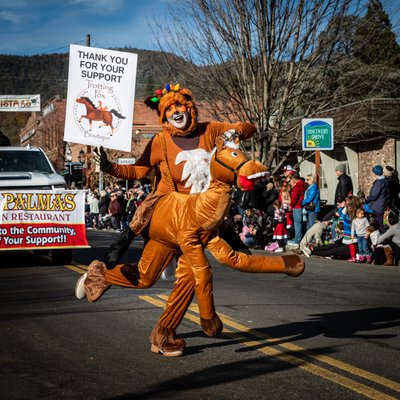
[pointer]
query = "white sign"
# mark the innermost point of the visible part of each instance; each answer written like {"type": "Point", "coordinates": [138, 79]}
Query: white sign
{"type": "Point", "coordinates": [25, 103]}
{"type": "Point", "coordinates": [101, 94]}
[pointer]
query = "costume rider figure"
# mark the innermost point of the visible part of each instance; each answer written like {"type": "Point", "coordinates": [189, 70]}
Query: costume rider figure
{"type": "Point", "coordinates": [179, 151]}
{"type": "Point", "coordinates": [172, 151]}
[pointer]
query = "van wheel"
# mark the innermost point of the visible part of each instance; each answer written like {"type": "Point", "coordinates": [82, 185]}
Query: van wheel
{"type": "Point", "coordinates": [61, 256]}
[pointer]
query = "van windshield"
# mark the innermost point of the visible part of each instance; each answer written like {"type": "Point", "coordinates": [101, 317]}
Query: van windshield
{"type": "Point", "coordinates": [24, 161]}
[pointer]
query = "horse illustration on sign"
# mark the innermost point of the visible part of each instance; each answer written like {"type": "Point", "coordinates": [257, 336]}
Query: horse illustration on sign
{"type": "Point", "coordinates": [94, 113]}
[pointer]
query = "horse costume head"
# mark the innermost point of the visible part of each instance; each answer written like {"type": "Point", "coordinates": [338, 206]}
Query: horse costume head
{"type": "Point", "coordinates": [173, 94]}
{"type": "Point", "coordinates": [230, 165]}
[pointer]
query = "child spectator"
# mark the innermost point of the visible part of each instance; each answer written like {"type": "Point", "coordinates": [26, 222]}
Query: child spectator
{"type": "Point", "coordinates": [280, 234]}
{"type": "Point", "coordinates": [377, 250]}
{"type": "Point", "coordinates": [373, 235]}
{"type": "Point", "coordinates": [346, 212]}
{"type": "Point", "coordinates": [285, 200]}
{"type": "Point", "coordinates": [359, 231]}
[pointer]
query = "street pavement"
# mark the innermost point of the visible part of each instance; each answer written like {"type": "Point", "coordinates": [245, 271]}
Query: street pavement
{"type": "Point", "coordinates": [332, 333]}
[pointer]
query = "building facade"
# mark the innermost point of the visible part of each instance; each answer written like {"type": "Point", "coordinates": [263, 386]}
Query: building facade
{"type": "Point", "coordinates": [365, 134]}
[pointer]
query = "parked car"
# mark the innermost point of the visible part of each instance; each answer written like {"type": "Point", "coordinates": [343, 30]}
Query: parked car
{"type": "Point", "coordinates": [29, 168]}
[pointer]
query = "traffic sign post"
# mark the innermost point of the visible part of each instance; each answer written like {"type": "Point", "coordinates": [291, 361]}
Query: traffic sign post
{"type": "Point", "coordinates": [317, 134]}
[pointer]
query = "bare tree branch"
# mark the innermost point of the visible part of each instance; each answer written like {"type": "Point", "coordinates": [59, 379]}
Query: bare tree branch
{"type": "Point", "coordinates": [266, 61]}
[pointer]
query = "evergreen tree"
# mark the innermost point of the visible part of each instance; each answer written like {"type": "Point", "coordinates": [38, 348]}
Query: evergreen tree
{"type": "Point", "coordinates": [374, 40]}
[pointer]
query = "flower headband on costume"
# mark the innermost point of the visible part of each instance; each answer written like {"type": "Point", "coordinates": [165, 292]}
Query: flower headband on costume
{"type": "Point", "coordinates": [159, 93]}
{"type": "Point", "coordinates": [162, 99]}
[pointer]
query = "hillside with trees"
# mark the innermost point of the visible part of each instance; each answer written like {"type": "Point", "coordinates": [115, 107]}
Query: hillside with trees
{"type": "Point", "coordinates": [48, 74]}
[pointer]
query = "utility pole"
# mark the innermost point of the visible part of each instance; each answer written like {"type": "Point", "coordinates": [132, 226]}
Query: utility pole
{"type": "Point", "coordinates": [88, 148]}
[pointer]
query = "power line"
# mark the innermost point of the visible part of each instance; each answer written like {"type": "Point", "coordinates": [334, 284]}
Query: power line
{"type": "Point", "coordinates": [60, 48]}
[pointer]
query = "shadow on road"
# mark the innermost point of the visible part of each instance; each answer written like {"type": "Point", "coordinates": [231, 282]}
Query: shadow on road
{"type": "Point", "coordinates": [213, 376]}
{"type": "Point", "coordinates": [346, 324]}
{"type": "Point", "coordinates": [342, 324]}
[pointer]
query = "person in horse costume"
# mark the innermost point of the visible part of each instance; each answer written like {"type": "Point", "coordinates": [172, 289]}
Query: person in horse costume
{"type": "Point", "coordinates": [182, 138]}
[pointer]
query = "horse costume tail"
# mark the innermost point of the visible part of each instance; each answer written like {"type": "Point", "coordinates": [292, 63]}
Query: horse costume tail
{"type": "Point", "coordinates": [117, 114]}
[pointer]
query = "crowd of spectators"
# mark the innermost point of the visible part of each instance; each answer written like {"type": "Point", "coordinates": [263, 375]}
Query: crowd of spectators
{"type": "Point", "coordinates": [285, 214]}
{"type": "Point", "coordinates": [113, 207]}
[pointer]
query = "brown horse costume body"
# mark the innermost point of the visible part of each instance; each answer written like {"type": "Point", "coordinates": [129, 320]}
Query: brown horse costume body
{"type": "Point", "coordinates": [98, 114]}
{"type": "Point", "coordinates": [187, 225]}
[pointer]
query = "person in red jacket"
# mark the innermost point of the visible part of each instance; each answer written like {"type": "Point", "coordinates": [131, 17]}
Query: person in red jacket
{"type": "Point", "coordinates": [297, 195]}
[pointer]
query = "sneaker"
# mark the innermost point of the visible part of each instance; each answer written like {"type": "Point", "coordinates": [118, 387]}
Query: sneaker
{"type": "Point", "coordinates": [279, 250]}
{"type": "Point", "coordinates": [80, 291]}
{"type": "Point", "coordinates": [292, 244]}
{"type": "Point", "coordinates": [272, 247]}
{"type": "Point", "coordinates": [305, 250]}
{"type": "Point", "coordinates": [368, 259]}
{"type": "Point", "coordinates": [361, 259]}
{"type": "Point", "coordinates": [351, 260]}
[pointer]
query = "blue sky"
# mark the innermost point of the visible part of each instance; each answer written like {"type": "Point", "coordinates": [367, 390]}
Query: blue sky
{"type": "Point", "coordinates": [30, 27]}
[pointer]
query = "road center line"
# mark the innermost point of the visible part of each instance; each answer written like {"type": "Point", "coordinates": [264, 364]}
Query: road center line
{"type": "Point", "coordinates": [297, 361]}
{"type": "Point", "coordinates": [81, 269]}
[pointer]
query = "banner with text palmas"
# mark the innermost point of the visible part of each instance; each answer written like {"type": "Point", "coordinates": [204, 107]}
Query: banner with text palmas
{"type": "Point", "coordinates": [42, 219]}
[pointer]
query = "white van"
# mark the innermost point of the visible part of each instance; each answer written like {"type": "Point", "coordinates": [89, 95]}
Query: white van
{"type": "Point", "coordinates": [29, 168]}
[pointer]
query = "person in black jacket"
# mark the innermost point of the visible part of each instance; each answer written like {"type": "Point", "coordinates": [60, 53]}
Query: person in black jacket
{"type": "Point", "coordinates": [344, 187]}
{"type": "Point", "coordinates": [394, 189]}
{"type": "Point", "coordinates": [378, 197]}
{"type": "Point", "coordinates": [270, 195]}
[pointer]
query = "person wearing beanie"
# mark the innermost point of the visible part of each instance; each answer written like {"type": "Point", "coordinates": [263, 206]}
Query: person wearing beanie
{"type": "Point", "coordinates": [379, 196]}
{"type": "Point", "coordinates": [180, 153]}
{"type": "Point", "coordinates": [344, 187]}
{"type": "Point", "coordinates": [340, 168]}
{"type": "Point", "coordinates": [377, 170]}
